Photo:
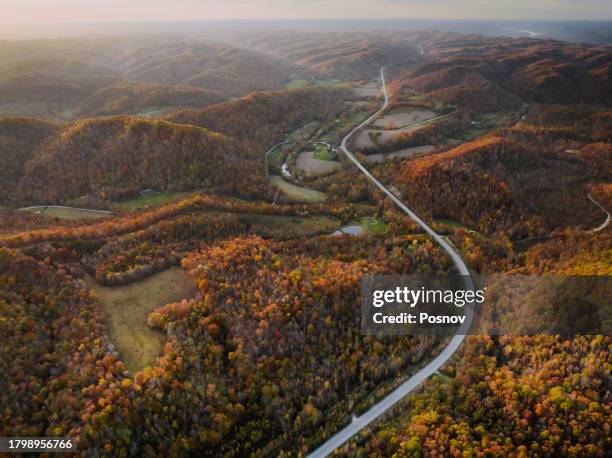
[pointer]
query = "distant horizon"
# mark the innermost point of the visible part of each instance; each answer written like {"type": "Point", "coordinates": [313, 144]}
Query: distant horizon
{"type": "Point", "coordinates": [43, 12]}
{"type": "Point", "coordinates": [305, 19]}
{"type": "Point", "coordinates": [596, 31]}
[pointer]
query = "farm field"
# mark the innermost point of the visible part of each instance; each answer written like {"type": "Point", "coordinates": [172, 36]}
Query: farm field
{"type": "Point", "coordinates": [364, 139]}
{"type": "Point", "coordinates": [301, 83]}
{"type": "Point", "coordinates": [128, 307]}
{"type": "Point", "coordinates": [68, 213]}
{"type": "Point", "coordinates": [282, 227]}
{"type": "Point", "coordinates": [383, 136]}
{"type": "Point", "coordinates": [296, 193]}
{"type": "Point", "coordinates": [150, 200]}
{"type": "Point", "coordinates": [311, 165]}
{"type": "Point", "coordinates": [368, 90]}
{"type": "Point", "coordinates": [322, 151]}
{"type": "Point", "coordinates": [489, 122]}
{"type": "Point", "coordinates": [403, 116]}
{"type": "Point", "coordinates": [403, 153]}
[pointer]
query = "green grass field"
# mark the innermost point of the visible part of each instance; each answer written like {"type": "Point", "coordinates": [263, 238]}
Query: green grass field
{"type": "Point", "coordinates": [488, 123]}
{"type": "Point", "coordinates": [327, 83]}
{"type": "Point", "coordinates": [417, 98]}
{"type": "Point", "coordinates": [128, 307]}
{"type": "Point", "coordinates": [296, 84]}
{"type": "Point", "coordinates": [148, 201]}
{"type": "Point", "coordinates": [373, 226]}
{"type": "Point", "coordinates": [284, 227]}
{"type": "Point", "coordinates": [296, 193]}
{"type": "Point", "coordinates": [466, 136]}
{"type": "Point", "coordinates": [68, 213]}
{"type": "Point", "coordinates": [452, 223]}
{"type": "Point", "coordinates": [299, 83]}
{"type": "Point", "coordinates": [323, 153]}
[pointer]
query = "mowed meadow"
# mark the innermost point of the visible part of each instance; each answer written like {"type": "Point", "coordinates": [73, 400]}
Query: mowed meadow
{"type": "Point", "coordinates": [128, 307]}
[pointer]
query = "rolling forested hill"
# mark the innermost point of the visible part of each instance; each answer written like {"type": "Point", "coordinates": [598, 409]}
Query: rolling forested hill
{"type": "Point", "coordinates": [501, 70]}
{"type": "Point", "coordinates": [345, 56]}
{"type": "Point", "coordinates": [220, 148]}
{"type": "Point", "coordinates": [128, 97]}
{"type": "Point", "coordinates": [67, 79]}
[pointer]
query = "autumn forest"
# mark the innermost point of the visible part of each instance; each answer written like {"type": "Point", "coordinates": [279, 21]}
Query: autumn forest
{"type": "Point", "coordinates": [183, 239]}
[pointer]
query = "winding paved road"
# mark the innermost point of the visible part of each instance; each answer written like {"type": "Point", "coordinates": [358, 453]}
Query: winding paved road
{"type": "Point", "coordinates": [603, 225]}
{"type": "Point", "coordinates": [268, 153]}
{"type": "Point", "coordinates": [401, 391]}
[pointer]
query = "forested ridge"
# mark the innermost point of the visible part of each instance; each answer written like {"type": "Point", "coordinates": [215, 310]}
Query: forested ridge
{"type": "Point", "coordinates": [114, 157]}
{"type": "Point", "coordinates": [262, 118]}
{"type": "Point", "coordinates": [485, 75]}
{"type": "Point", "coordinates": [105, 159]}
{"type": "Point", "coordinates": [133, 98]}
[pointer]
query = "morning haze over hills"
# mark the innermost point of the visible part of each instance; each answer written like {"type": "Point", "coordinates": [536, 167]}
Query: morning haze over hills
{"type": "Point", "coordinates": [184, 230]}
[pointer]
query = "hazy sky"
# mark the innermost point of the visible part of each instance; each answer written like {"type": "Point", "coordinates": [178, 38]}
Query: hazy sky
{"type": "Point", "coordinates": [61, 11]}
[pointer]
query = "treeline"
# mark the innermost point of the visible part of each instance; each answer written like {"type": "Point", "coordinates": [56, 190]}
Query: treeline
{"type": "Point", "coordinates": [12, 221]}
{"type": "Point", "coordinates": [545, 395]}
{"type": "Point", "coordinates": [199, 203]}
{"type": "Point", "coordinates": [70, 79]}
{"type": "Point", "coordinates": [462, 185]}
{"type": "Point", "coordinates": [570, 252]}
{"type": "Point", "coordinates": [20, 138]}
{"type": "Point", "coordinates": [127, 259]}
{"type": "Point", "coordinates": [347, 56]}
{"type": "Point", "coordinates": [580, 123]}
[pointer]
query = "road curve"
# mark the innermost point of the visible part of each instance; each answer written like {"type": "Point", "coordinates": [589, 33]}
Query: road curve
{"type": "Point", "coordinates": [603, 225]}
{"type": "Point", "coordinates": [401, 391]}
{"type": "Point", "coordinates": [268, 153]}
